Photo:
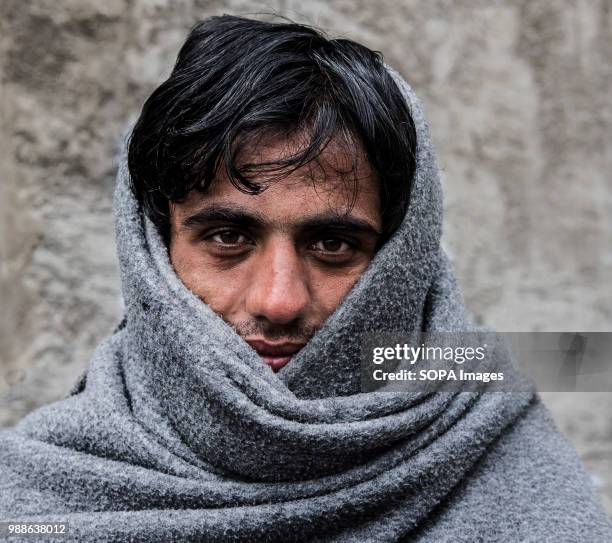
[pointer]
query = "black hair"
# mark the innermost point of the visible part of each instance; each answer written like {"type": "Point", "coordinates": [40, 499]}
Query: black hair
{"type": "Point", "coordinates": [237, 78]}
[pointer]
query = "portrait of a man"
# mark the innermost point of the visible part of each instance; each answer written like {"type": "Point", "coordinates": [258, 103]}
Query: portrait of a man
{"type": "Point", "coordinates": [278, 199]}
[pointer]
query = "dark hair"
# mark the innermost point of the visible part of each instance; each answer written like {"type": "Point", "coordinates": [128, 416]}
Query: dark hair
{"type": "Point", "coordinates": [237, 78]}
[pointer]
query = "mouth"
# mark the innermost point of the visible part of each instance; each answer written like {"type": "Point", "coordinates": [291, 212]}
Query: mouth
{"type": "Point", "coordinates": [276, 355]}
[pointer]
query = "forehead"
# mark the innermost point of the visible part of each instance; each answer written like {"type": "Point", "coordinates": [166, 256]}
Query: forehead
{"type": "Point", "coordinates": [339, 180]}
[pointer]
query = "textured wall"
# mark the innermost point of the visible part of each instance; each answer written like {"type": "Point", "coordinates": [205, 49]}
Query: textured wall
{"type": "Point", "coordinates": [518, 97]}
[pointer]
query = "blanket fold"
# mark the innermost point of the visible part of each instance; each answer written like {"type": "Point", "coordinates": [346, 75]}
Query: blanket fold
{"type": "Point", "coordinates": [180, 432]}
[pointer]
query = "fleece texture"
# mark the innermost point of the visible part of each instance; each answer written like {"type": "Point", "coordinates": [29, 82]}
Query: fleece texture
{"type": "Point", "coordinates": [180, 432]}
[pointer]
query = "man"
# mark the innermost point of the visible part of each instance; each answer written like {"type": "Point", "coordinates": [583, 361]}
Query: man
{"type": "Point", "coordinates": [247, 105]}
{"type": "Point", "coordinates": [279, 202]}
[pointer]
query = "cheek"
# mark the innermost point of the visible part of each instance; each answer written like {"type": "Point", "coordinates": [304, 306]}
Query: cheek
{"type": "Point", "coordinates": [329, 289]}
{"type": "Point", "coordinates": [221, 290]}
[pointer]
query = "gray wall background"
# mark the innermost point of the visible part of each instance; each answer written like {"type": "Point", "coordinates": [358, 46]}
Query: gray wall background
{"type": "Point", "coordinates": [518, 95]}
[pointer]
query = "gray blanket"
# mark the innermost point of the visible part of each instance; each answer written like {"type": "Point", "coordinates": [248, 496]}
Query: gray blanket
{"type": "Point", "coordinates": [179, 431]}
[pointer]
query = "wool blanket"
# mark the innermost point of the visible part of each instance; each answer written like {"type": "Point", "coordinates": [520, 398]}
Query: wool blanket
{"type": "Point", "coordinates": [179, 432]}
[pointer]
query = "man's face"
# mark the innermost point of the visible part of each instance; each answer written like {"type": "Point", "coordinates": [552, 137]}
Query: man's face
{"type": "Point", "coordinates": [277, 264]}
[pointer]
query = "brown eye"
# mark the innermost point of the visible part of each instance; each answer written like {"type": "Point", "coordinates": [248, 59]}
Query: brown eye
{"type": "Point", "coordinates": [228, 237]}
{"type": "Point", "coordinates": [332, 245]}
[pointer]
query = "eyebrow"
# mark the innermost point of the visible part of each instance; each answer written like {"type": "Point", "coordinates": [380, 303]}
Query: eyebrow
{"type": "Point", "coordinates": [239, 216]}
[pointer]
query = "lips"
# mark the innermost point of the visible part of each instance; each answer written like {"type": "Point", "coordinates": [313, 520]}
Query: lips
{"type": "Point", "coordinates": [276, 355]}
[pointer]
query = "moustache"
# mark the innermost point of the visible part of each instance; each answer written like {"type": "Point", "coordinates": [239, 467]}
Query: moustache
{"type": "Point", "coordinates": [297, 332]}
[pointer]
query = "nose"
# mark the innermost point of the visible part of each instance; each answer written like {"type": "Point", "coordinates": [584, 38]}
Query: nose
{"type": "Point", "coordinates": [278, 290]}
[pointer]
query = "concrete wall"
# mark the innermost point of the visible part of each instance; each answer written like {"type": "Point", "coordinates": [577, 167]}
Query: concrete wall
{"type": "Point", "coordinates": [518, 98]}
